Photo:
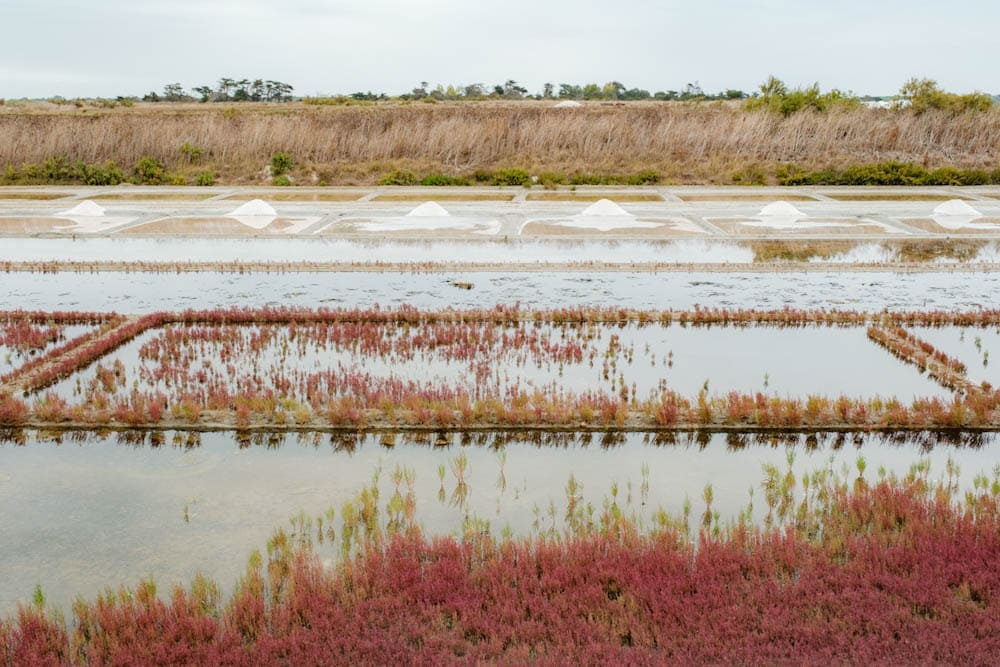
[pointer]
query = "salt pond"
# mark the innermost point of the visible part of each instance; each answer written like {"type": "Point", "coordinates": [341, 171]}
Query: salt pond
{"type": "Point", "coordinates": [149, 292]}
{"type": "Point", "coordinates": [792, 362]}
{"type": "Point", "coordinates": [81, 515]}
{"type": "Point", "coordinates": [12, 358]}
{"type": "Point", "coordinates": [973, 347]}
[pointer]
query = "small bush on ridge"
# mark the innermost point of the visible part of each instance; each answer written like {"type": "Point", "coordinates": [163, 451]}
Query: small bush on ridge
{"type": "Point", "coordinates": [281, 163]}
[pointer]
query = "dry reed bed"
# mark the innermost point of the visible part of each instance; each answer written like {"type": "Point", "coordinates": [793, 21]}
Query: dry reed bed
{"type": "Point", "coordinates": [686, 142]}
{"type": "Point", "coordinates": [198, 395]}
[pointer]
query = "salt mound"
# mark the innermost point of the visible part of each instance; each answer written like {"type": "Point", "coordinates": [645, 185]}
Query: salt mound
{"type": "Point", "coordinates": [781, 209]}
{"type": "Point", "coordinates": [256, 208]}
{"type": "Point", "coordinates": [605, 208]}
{"type": "Point", "coordinates": [568, 104]}
{"type": "Point", "coordinates": [956, 207]}
{"type": "Point", "coordinates": [429, 209]}
{"type": "Point", "coordinates": [85, 209]}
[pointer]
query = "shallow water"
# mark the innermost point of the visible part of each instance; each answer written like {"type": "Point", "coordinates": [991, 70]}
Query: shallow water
{"type": "Point", "coordinates": [977, 348]}
{"type": "Point", "coordinates": [79, 516]}
{"type": "Point", "coordinates": [12, 358]}
{"type": "Point", "coordinates": [149, 292]}
{"type": "Point", "coordinates": [513, 251]}
{"type": "Point", "coordinates": [796, 362]}
{"type": "Point", "coordinates": [368, 251]}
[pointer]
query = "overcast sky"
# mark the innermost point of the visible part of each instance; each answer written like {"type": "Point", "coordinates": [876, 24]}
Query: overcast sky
{"type": "Point", "coordinates": [121, 47]}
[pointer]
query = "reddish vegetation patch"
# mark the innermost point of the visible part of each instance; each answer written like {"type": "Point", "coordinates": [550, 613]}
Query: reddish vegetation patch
{"type": "Point", "coordinates": [900, 573]}
{"type": "Point", "coordinates": [902, 344]}
{"type": "Point", "coordinates": [36, 330]}
{"type": "Point", "coordinates": [334, 397]}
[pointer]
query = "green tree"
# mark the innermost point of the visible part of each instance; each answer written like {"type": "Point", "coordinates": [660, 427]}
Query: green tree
{"type": "Point", "coordinates": [925, 95]}
{"type": "Point", "coordinates": [568, 91]}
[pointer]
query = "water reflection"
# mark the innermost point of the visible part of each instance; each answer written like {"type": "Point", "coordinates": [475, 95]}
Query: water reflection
{"type": "Point", "coordinates": [142, 292]}
{"type": "Point", "coordinates": [84, 510]}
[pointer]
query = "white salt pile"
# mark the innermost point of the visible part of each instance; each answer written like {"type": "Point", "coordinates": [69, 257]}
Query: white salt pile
{"type": "Point", "coordinates": [568, 104]}
{"type": "Point", "coordinates": [957, 207]}
{"type": "Point", "coordinates": [605, 216]}
{"type": "Point", "coordinates": [956, 214]}
{"type": "Point", "coordinates": [85, 209]}
{"type": "Point", "coordinates": [608, 224]}
{"type": "Point", "coordinates": [428, 209]}
{"type": "Point", "coordinates": [782, 215]}
{"type": "Point", "coordinates": [431, 216]}
{"type": "Point", "coordinates": [605, 208]}
{"type": "Point", "coordinates": [256, 214]}
{"type": "Point", "coordinates": [255, 208]}
{"type": "Point", "coordinates": [781, 209]}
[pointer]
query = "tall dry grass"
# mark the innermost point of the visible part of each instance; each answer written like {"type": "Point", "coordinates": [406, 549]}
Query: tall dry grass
{"type": "Point", "coordinates": [688, 143]}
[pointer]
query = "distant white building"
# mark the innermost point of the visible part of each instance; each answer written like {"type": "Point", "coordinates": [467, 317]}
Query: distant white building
{"type": "Point", "coordinates": [886, 104]}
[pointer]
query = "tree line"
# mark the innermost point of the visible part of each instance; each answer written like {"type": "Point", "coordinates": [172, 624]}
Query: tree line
{"type": "Point", "coordinates": [512, 90]}
{"type": "Point", "coordinates": [226, 90]}
{"type": "Point", "coordinates": [773, 94]}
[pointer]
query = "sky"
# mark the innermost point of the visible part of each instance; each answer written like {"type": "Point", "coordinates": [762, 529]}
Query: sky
{"type": "Point", "coordinates": [105, 48]}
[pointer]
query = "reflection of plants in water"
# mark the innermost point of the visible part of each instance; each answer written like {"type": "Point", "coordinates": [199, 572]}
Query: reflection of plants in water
{"type": "Point", "coordinates": [911, 549]}
{"type": "Point", "coordinates": [928, 250]}
{"type": "Point", "coordinates": [460, 495]}
{"type": "Point", "coordinates": [644, 487]}
{"type": "Point", "coordinates": [324, 527]}
{"type": "Point", "coordinates": [579, 516]}
{"type": "Point", "coordinates": [441, 492]}
{"type": "Point", "coordinates": [707, 495]}
{"type": "Point", "coordinates": [186, 359]}
{"type": "Point", "coordinates": [502, 477]}
{"type": "Point", "coordinates": [798, 251]}
{"type": "Point", "coordinates": [403, 503]}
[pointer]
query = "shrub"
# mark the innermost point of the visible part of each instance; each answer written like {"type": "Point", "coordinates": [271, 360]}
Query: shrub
{"type": "Point", "coordinates": [925, 95]}
{"type": "Point", "coordinates": [886, 173]}
{"type": "Point", "coordinates": [61, 170]}
{"type": "Point", "coordinates": [205, 178]}
{"type": "Point", "coordinates": [647, 177]}
{"type": "Point", "coordinates": [550, 179]}
{"type": "Point", "coordinates": [53, 169]}
{"type": "Point", "coordinates": [108, 174]}
{"type": "Point", "coordinates": [752, 175]}
{"type": "Point", "coordinates": [512, 177]}
{"type": "Point", "coordinates": [149, 171]}
{"type": "Point", "coordinates": [399, 177]}
{"type": "Point", "coordinates": [776, 97]}
{"type": "Point", "coordinates": [192, 152]}
{"type": "Point", "coordinates": [953, 176]}
{"type": "Point", "coordinates": [443, 179]}
{"type": "Point", "coordinates": [282, 181]}
{"type": "Point", "coordinates": [281, 163]}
